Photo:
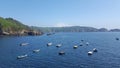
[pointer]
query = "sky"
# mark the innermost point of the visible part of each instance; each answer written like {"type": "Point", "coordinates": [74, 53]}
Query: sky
{"type": "Point", "coordinates": [58, 13]}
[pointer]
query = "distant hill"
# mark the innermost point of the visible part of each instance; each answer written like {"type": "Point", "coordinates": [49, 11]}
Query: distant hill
{"type": "Point", "coordinates": [115, 30]}
{"type": "Point", "coordinates": [10, 26]}
{"type": "Point", "coordinates": [70, 29]}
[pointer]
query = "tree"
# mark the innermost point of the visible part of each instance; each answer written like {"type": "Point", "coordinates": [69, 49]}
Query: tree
{"type": "Point", "coordinates": [1, 28]}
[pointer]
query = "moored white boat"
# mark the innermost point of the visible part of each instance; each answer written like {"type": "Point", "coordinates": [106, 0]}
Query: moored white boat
{"type": "Point", "coordinates": [61, 53]}
{"type": "Point", "coordinates": [90, 52]}
{"type": "Point", "coordinates": [75, 46]}
{"type": "Point", "coordinates": [81, 44]}
{"type": "Point", "coordinates": [59, 45]}
{"type": "Point", "coordinates": [49, 44]}
{"type": "Point", "coordinates": [87, 43]}
{"type": "Point", "coordinates": [23, 44]}
{"type": "Point", "coordinates": [37, 50]}
{"type": "Point", "coordinates": [95, 50]}
{"type": "Point", "coordinates": [22, 56]}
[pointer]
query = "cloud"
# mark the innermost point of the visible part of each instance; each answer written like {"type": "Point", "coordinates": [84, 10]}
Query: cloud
{"type": "Point", "coordinates": [61, 25]}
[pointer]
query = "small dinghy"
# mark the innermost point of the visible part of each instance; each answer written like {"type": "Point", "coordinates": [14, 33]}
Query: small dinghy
{"type": "Point", "coordinates": [48, 34]}
{"type": "Point", "coordinates": [87, 43]}
{"type": "Point", "coordinates": [24, 44]}
{"type": "Point", "coordinates": [61, 53]}
{"type": "Point", "coordinates": [81, 44]}
{"type": "Point", "coordinates": [117, 38]}
{"type": "Point", "coordinates": [95, 50]}
{"type": "Point", "coordinates": [59, 45]}
{"type": "Point", "coordinates": [90, 52]}
{"type": "Point", "coordinates": [36, 51]}
{"type": "Point", "coordinates": [49, 44]}
{"type": "Point", "coordinates": [82, 40]}
{"type": "Point", "coordinates": [75, 46]}
{"type": "Point", "coordinates": [22, 56]}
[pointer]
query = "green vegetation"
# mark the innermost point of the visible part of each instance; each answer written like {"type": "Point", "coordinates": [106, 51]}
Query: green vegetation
{"type": "Point", "coordinates": [10, 26]}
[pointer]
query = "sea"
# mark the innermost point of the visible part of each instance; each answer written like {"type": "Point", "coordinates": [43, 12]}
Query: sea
{"type": "Point", "coordinates": [108, 55]}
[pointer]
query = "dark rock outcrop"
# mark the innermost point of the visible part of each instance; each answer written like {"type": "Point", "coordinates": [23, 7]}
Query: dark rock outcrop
{"type": "Point", "coordinates": [34, 33]}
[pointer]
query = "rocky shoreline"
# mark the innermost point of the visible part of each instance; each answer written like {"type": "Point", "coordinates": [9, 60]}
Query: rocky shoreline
{"type": "Point", "coordinates": [21, 33]}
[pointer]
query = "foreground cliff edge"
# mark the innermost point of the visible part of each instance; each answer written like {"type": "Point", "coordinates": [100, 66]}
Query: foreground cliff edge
{"type": "Point", "coordinates": [10, 26]}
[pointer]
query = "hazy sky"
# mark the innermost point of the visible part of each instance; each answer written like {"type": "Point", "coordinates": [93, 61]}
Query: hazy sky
{"type": "Point", "coordinates": [94, 13]}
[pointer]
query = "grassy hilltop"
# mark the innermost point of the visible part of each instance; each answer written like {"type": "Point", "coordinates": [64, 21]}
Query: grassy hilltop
{"type": "Point", "coordinates": [10, 26]}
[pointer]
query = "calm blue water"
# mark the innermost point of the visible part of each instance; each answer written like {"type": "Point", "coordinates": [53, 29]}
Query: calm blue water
{"type": "Point", "coordinates": [108, 55]}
